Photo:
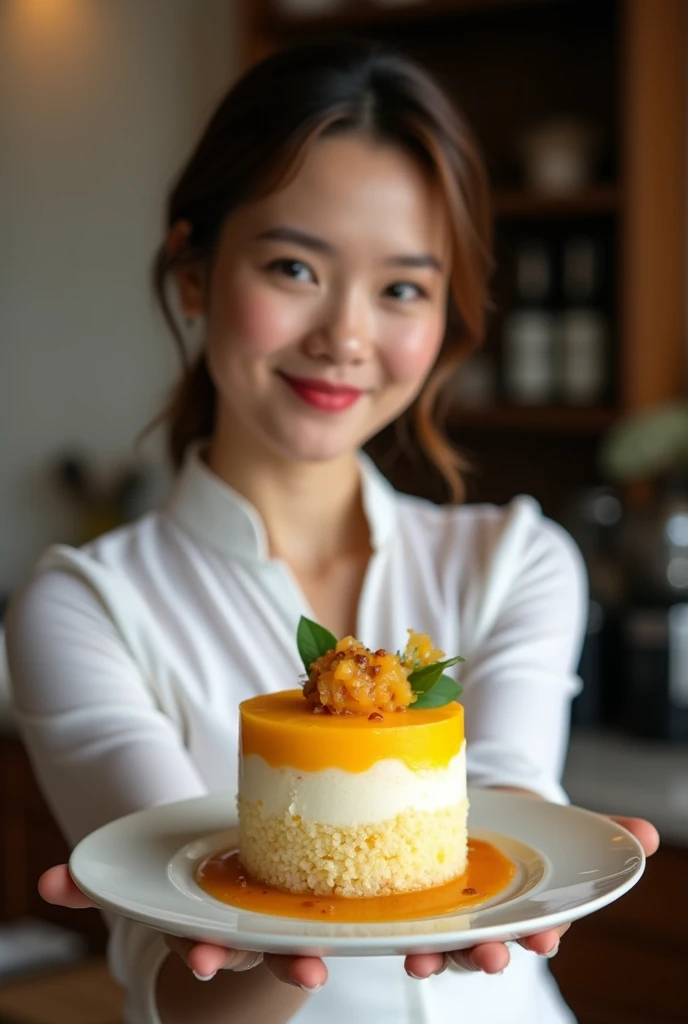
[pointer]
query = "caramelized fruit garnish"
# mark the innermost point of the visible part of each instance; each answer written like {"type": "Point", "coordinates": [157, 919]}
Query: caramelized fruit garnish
{"type": "Point", "coordinates": [351, 679]}
{"type": "Point", "coordinates": [420, 651]}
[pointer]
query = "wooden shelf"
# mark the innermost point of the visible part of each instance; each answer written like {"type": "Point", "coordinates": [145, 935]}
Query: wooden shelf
{"type": "Point", "coordinates": [367, 14]}
{"type": "Point", "coordinates": [540, 419]}
{"type": "Point", "coordinates": [516, 203]}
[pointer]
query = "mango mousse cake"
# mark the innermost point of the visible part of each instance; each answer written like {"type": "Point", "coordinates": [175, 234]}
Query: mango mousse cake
{"type": "Point", "coordinates": [355, 785]}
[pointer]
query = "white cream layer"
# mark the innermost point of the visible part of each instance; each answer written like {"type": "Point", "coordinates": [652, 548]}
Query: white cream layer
{"type": "Point", "coordinates": [336, 797]}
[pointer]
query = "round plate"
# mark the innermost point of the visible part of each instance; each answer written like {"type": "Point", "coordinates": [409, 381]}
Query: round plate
{"type": "Point", "coordinates": [570, 863]}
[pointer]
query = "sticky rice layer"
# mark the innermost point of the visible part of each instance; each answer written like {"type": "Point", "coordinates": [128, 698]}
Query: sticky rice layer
{"type": "Point", "coordinates": [414, 850]}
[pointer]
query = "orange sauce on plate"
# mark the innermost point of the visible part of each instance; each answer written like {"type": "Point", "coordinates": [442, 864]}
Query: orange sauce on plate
{"type": "Point", "coordinates": [488, 873]}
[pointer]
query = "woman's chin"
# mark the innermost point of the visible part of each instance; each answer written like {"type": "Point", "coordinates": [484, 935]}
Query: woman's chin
{"type": "Point", "coordinates": [323, 446]}
{"type": "Point", "coordinates": [318, 452]}
{"type": "Point", "coordinates": [321, 438]}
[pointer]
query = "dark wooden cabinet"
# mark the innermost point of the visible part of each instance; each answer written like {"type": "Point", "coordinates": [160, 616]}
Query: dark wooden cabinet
{"type": "Point", "coordinates": [30, 842]}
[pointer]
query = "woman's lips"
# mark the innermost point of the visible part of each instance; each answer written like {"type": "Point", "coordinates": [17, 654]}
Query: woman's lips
{"type": "Point", "coordinates": [321, 395]}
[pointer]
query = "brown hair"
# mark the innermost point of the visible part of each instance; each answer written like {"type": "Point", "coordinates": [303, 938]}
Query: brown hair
{"type": "Point", "coordinates": [256, 139]}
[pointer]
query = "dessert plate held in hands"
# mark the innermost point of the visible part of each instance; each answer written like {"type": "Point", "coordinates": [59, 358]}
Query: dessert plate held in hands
{"type": "Point", "coordinates": [570, 862]}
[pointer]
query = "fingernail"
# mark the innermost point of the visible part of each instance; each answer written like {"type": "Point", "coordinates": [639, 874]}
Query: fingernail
{"type": "Point", "coordinates": [203, 977]}
{"type": "Point", "coordinates": [553, 951]}
{"type": "Point", "coordinates": [416, 977]}
{"type": "Point", "coordinates": [311, 988]}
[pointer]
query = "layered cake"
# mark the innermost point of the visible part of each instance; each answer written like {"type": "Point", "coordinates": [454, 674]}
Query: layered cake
{"type": "Point", "coordinates": [355, 785]}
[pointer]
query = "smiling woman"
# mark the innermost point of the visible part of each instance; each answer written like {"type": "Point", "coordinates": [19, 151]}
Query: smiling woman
{"type": "Point", "coordinates": [330, 231]}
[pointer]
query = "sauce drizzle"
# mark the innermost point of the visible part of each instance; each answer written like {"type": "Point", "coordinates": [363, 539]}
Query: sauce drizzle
{"type": "Point", "coordinates": [488, 873]}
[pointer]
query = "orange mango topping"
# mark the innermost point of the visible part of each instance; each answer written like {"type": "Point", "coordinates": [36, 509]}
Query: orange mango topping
{"type": "Point", "coordinates": [351, 679]}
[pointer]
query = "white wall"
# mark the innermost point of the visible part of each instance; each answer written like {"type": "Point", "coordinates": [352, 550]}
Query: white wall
{"type": "Point", "coordinates": [100, 100]}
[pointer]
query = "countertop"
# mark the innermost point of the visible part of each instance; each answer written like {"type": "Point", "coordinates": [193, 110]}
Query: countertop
{"type": "Point", "coordinates": [617, 774]}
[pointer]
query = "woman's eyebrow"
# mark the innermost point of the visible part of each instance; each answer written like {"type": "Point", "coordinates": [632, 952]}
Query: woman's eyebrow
{"type": "Point", "coordinates": [419, 261]}
{"type": "Point", "coordinates": [298, 237]}
{"type": "Point", "coordinates": [424, 260]}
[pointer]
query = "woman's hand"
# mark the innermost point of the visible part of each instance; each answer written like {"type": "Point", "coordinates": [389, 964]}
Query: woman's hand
{"type": "Point", "coordinates": [310, 973]}
{"type": "Point", "coordinates": [205, 960]}
{"type": "Point", "coordinates": [493, 957]}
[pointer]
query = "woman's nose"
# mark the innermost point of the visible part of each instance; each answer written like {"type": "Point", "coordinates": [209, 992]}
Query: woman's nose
{"type": "Point", "coordinates": [344, 334]}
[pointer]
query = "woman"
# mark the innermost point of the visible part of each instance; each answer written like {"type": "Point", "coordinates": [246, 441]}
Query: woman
{"type": "Point", "coordinates": [331, 233]}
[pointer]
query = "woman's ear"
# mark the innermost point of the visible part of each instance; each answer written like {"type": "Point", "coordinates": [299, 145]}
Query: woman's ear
{"type": "Point", "coordinates": [189, 275]}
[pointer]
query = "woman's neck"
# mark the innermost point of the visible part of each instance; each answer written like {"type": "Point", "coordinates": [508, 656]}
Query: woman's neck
{"type": "Point", "coordinates": [312, 511]}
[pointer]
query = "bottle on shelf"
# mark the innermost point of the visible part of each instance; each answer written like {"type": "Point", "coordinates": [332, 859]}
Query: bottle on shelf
{"type": "Point", "coordinates": [583, 325]}
{"type": "Point", "coordinates": [529, 337]}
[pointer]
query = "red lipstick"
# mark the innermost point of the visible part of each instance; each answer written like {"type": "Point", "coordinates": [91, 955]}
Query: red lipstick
{"type": "Point", "coordinates": [322, 395]}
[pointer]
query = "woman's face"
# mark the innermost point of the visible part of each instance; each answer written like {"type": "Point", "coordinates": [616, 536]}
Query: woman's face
{"type": "Point", "coordinates": [325, 306]}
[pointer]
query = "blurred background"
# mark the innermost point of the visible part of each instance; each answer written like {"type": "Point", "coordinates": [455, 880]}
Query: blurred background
{"type": "Point", "coordinates": [579, 397]}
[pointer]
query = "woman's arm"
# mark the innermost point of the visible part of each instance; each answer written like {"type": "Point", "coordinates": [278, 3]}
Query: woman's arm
{"type": "Point", "coordinates": [519, 682]}
{"type": "Point", "coordinates": [101, 748]}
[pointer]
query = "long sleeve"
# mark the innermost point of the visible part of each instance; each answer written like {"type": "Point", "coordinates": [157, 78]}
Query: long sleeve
{"type": "Point", "coordinates": [520, 677]}
{"type": "Point", "coordinates": [99, 744]}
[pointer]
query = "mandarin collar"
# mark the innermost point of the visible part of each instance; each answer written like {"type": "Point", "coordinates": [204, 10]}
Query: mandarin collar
{"type": "Point", "coordinates": [216, 514]}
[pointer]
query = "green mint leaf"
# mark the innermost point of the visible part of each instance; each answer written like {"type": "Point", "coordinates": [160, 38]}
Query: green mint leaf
{"type": "Point", "coordinates": [421, 679]}
{"type": "Point", "coordinates": [313, 641]}
{"type": "Point", "coordinates": [444, 691]}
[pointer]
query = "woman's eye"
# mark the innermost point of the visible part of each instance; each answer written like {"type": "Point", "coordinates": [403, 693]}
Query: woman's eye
{"type": "Point", "coordinates": [294, 269]}
{"type": "Point", "coordinates": [406, 291]}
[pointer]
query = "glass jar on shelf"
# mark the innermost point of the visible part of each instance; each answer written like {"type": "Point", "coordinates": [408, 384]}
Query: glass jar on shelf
{"type": "Point", "coordinates": [529, 333]}
{"type": "Point", "coordinates": [583, 326]}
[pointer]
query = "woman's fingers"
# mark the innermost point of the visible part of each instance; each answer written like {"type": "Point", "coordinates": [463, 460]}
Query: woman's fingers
{"type": "Point", "coordinates": [206, 959]}
{"type": "Point", "coordinates": [424, 965]}
{"type": "Point", "coordinates": [489, 957]}
{"type": "Point", "coordinates": [307, 972]}
{"type": "Point", "coordinates": [56, 885]}
{"type": "Point", "coordinates": [544, 943]}
{"type": "Point", "coordinates": [644, 831]}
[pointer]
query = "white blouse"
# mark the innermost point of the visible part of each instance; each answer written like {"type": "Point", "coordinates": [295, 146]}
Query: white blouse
{"type": "Point", "coordinates": [128, 659]}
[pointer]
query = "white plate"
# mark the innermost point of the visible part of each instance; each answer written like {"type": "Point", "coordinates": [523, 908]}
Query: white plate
{"type": "Point", "coordinates": [570, 863]}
